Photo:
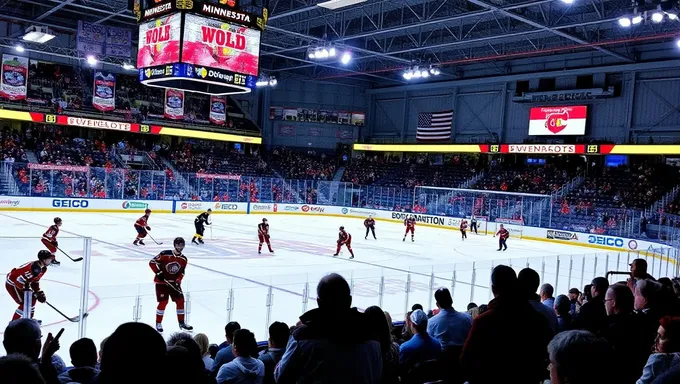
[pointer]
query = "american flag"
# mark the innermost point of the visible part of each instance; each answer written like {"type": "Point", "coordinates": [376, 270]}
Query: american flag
{"type": "Point", "coordinates": [434, 126]}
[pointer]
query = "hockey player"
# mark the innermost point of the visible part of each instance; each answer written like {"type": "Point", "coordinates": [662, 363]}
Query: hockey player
{"type": "Point", "coordinates": [142, 227]}
{"type": "Point", "coordinates": [410, 224]}
{"type": "Point", "coordinates": [200, 222]}
{"type": "Point", "coordinates": [503, 236]}
{"type": "Point", "coordinates": [169, 267]}
{"type": "Point", "coordinates": [25, 278]}
{"type": "Point", "coordinates": [263, 236]}
{"type": "Point", "coordinates": [344, 238]}
{"type": "Point", "coordinates": [463, 229]}
{"type": "Point", "coordinates": [49, 239]}
{"type": "Point", "coordinates": [473, 224]}
{"type": "Point", "coordinates": [370, 226]}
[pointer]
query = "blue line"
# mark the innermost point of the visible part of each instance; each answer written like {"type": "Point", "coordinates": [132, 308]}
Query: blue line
{"type": "Point", "coordinates": [174, 206]}
{"type": "Point", "coordinates": [248, 209]}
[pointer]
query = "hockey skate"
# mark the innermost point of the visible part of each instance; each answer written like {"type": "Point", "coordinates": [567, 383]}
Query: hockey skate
{"type": "Point", "coordinates": [200, 241]}
{"type": "Point", "coordinates": [335, 255]}
{"type": "Point", "coordinates": [159, 327]}
{"type": "Point", "coordinates": [141, 242]}
{"type": "Point", "coordinates": [351, 257]}
{"type": "Point", "coordinates": [259, 252]}
{"type": "Point", "coordinates": [55, 263]}
{"type": "Point", "coordinates": [193, 241]}
{"type": "Point", "coordinates": [404, 238]}
{"type": "Point", "coordinates": [185, 327]}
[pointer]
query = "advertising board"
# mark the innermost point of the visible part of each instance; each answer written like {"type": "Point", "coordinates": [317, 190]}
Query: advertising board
{"type": "Point", "coordinates": [215, 206]}
{"type": "Point", "coordinates": [12, 203]}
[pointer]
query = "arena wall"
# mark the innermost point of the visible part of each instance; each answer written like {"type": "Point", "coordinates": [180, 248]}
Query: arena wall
{"type": "Point", "coordinates": [48, 204]}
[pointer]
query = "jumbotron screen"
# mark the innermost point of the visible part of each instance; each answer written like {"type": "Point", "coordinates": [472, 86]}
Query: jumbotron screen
{"type": "Point", "coordinates": [159, 41]}
{"type": "Point", "coordinates": [221, 45]}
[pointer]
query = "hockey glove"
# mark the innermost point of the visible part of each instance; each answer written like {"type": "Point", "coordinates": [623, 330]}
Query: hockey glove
{"type": "Point", "coordinates": [40, 296]}
{"type": "Point", "coordinates": [267, 237]}
{"type": "Point", "coordinates": [148, 228]}
{"type": "Point", "coordinates": [55, 243]}
{"type": "Point", "coordinates": [160, 276]}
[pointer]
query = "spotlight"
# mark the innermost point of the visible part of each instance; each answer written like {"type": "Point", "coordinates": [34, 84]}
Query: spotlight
{"type": "Point", "coordinates": [657, 17]}
{"type": "Point", "coordinates": [637, 19]}
{"type": "Point", "coordinates": [424, 73]}
{"type": "Point", "coordinates": [129, 67]}
{"type": "Point", "coordinates": [91, 60]}
{"type": "Point", "coordinates": [19, 48]}
{"type": "Point", "coordinates": [323, 54]}
{"type": "Point", "coordinates": [568, 1]}
{"type": "Point", "coordinates": [672, 16]}
{"type": "Point", "coordinates": [331, 52]}
{"type": "Point", "coordinates": [677, 43]}
{"type": "Point", "coordinates": [346, 57]}
{"type": "Point", "coordinates": [311, 55]}
{"type": "Point", "coordinates": [624, 22]}
{"type": "Point", "coordinates": [273, 81]}
{"type": "Point", "coordinates": [407, 75]}
{"type": "Point", "coordinates": [262, 83]}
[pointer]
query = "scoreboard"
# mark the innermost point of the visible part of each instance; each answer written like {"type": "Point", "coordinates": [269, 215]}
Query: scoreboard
{"type": "Point", "coordinates": [537, 149]}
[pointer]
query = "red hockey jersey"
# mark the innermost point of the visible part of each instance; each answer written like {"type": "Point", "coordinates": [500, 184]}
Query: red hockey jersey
{"type": "Point", "coordinates": [503, 233]}
{"type": "Point", "coordinates": [171, 265]}
{"type": "Point", "coordinates": [344, 237]}
{"type": "Point", "coordinates": [369, 222]}
{"type": "Point", "coordinates": [141, 222]}
{"type": "Point", "coordinates": [263, 229]}
{"type": "Point", "coordinates": [463, 225]}
{"type": "Point", "coordinates": [51, 233]}
{"type": "Point", "coordinates": [26, 276]}
{"type": "Point", "coordinates": [410, 223]}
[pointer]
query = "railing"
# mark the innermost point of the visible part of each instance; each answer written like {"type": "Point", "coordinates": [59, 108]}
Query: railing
{"type": "Point", "coordinates": [535, 210]}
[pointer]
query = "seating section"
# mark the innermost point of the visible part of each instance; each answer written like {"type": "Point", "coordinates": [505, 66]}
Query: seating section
{"type": "Point", "coordinates": [543, 180]}
{"type": "Point", "coordinates": [298, 165]}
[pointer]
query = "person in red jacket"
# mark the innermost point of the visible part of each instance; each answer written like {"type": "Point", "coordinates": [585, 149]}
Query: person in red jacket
{"type": "Point", "coordinates": [344, 238]}
{"type": "Point", "coordinates": [369, 223]}
{"type": "Point", "coordinates": [49, 239]}
{"type": "Point", "coordinates": [463, 229]}
{"type": "Point", "coordinates": [141, 226]}
{"type": "Point", "coordinates": [503, 235]}
{"type": "Point", "coordinates": [27, 278]}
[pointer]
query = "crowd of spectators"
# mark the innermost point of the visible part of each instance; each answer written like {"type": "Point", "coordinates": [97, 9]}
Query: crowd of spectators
{"type": "Point", "coordinates": [612, 332]}
{"type": "Point", "coordinates": [307, 165]}
{"type": "Point", "coordinates": [543, 180]}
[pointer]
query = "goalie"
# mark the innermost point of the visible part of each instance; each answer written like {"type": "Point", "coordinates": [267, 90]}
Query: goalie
{"type": "Point", "coordinates": [200, 222]}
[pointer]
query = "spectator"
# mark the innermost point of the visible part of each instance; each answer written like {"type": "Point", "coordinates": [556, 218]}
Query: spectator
{"type": "Point", "coordinates": [471, 306]}
{"type": "Point", "coordinates": [593, 316]}
{"type": "Point", "coordinates": [546, 294]}
{"type": "Point", "coordinates": [647, 305]}
{"type": "Point", "coordinates": [225, 354]}
{"type": "Point", "coordinates": [666, 354]}
{"type": "Point", "coordinates": [23, 336]}
{"type": "Point", "coordinates": [84, 359]}
{"type": "Point", "coordinates": [189, 365]}
{"type": "Point", "coordinates": [529, 281]}
{"type": "Point", "coordinates": [17, 368]}
{"type": "Point", "coordinates": [278, 338]}
{"type": "Point", "coordinates": [380, 326]}
{"type": "Point", "coordinates": [203, 344]}
{"type": "Point", "coordinates": [132, 355]}
{"type": "Point", "coordinates": [449, 326]}
{"type": "Point", "coordinates": [422, 346]}
{"type": "Point", "coordinates": [245, 368]}
{"type": "Point", "coordinates": [573, 296]}
{"type": "Point", "coordinates": [638, 271]}
{"type": "Point", "coordinates": [335, 334]}
{"type": "Point", "coordinates": [99, 354]}
{"type": "Point", "coordinates": [562, 308]}
{"type": "Point", "coordinates": [623, 335]}
{"type": "Point", "coordinates": [490, 354]}
{"type": "Point", "coordinates": [569, 351]}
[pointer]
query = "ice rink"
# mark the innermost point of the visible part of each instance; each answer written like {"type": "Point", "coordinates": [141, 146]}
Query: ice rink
{"type": "Point", "coordinates": [228, 270]}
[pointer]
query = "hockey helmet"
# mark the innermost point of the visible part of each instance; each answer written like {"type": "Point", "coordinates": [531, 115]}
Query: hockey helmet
{"type": "Point", "coordinates": [209, 210]}
{"type": "Point", "coordinates": [342, 228]}
{"type": "Point", "coordinates": [179, 244]}
{"type": "Point", "coordinates": [57, 220]}
{"type": "Point", "coordinates": [147, 211]}
{"type": "Point", "coordinates": [264, 219]}
{"type": "Point", "coordinates": [44, 255]}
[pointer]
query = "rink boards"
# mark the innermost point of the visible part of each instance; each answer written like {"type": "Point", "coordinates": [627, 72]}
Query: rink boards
{"type": "Point", "coordinates": [47, 204]}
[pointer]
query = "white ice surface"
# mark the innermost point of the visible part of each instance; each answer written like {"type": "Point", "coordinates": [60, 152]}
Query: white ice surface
{"type": "Point", "coordinates": [119, 271]}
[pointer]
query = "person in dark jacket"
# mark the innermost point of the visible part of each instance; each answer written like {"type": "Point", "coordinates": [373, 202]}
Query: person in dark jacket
{"type": "Point", "coordinates": [23, 336]}
{"type": "Point", "coordinates": [278, 338]}
{"type": "Point", "coordinates": [84, 359]}
{"type": "Point", "coordinates": [333, 344]}
{"type": "Point", "coordinates": [593, 316]}
{"type": "Point", "coordinates": [508, 342]}
{"type": "Point", "coordinates": [16, 368]}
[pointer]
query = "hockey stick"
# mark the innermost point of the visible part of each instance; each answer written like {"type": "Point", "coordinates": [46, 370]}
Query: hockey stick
{"type": "Point", "coordinates": [66, 254]}
{"type": "Point", "coordinates": [173, 286]}
{"type": "Point", "coordinates": [154, 240]}
{"type": "Point", "coordinates": [74, 319]}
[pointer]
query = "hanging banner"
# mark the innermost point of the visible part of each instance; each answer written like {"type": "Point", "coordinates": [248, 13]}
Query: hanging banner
{"type": "Point", "coordinates": [174, 104]}
{"type": "Point", "coordinates": [104, 94]}
{"type": "Point", "coordinates": [90, 38]}
{"type": "Point", "coordinates": [14, 80]}
{"type": "Point", "coordinates": [218, 110]}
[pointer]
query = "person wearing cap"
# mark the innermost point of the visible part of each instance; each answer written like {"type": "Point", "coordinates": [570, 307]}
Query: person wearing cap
{"type": "Point", "coordinates": [422, 346]}
{"type": "Point", "coordinates": [638, 271]}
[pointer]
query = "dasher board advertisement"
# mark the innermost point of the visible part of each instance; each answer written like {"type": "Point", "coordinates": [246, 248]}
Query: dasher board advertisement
{"type": "Point", "coordinates": [558, 121]}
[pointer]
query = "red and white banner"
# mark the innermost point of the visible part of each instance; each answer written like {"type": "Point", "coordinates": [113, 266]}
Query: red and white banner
{"type": "Point", "coordinates": [174, 104]}
{"type": "Point", "coordinates": [14, 77]}
{"type": "Point", "coordinates": [558, 121]}
{"type": "Point", "coordinates": [50, 167]}
{"type": "Point", "coordinates": [213, 176]}
{"type": "Point", "coordinates": [542, 148]}
{"type": "Point", "coordinates": [104, 93]}
{"type": "Point", "coordinates": [98, 124]}
{"type": "Point", "coordinates": [218, 110]}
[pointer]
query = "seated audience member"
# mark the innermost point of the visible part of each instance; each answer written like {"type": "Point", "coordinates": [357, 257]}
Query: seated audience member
{"type": "Point", "coordinates": [84, 359]}
{"type": "Point", "coordinates": [422, 346]}
{"type": "Point", "coordinates": [562, 307]}
{"type": "Point", "coordinates": [666, 354]}
{"type": "Point", "coordinates": [570, 350]}
{"type": "Point", "coordinates": [529, 281]}
{"type": "Point", "coordinates": [648, 307]}
{"type": "Point", "coordinates": [546, 293]}
{"type": "Point", "coordinates": [593, 316]}
{"type": "Point", "coordinates": [203, 343]}
{"type": "Point", "coordinates": [507, 343]}
{"type": "Point", "coordinates": [23, 336]}
{"type": "Point", "coordinates": [189, 366]}
{"type": "Point", "coordinates": [245, 368]}
{"type": "Point", "coordinates": [225, 354]}
{"type": "Point", "coordinates": [449, 326]}
{"type": "Point", "coordinates": [278, 339]}
{"type": "Point", "coordinates": [325, 345]}
{"type": "Point", "coordinates": [17, 368]}
{"type": "Point", "coordinates": [380, 326]}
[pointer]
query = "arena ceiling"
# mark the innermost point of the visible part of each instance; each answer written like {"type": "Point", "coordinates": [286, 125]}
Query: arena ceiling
{"type": "Point", "coordinates": [387, 36]}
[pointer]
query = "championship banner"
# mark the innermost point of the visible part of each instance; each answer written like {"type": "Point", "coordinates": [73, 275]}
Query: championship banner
{"type": "Point", "coordinates": [174, 104]}
{"type": "Point", "coordinates": [218, 110]}
{"type": "Point", "coordinates": [104, 94]}
{"type": "Point", "coordinates": [14, 81]}
{"type": "Point", "coordinates": [90, 38]}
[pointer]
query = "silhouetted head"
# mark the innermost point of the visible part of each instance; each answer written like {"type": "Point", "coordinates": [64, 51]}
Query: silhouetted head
{"type": "Point", "coordinates": [333, 293]}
